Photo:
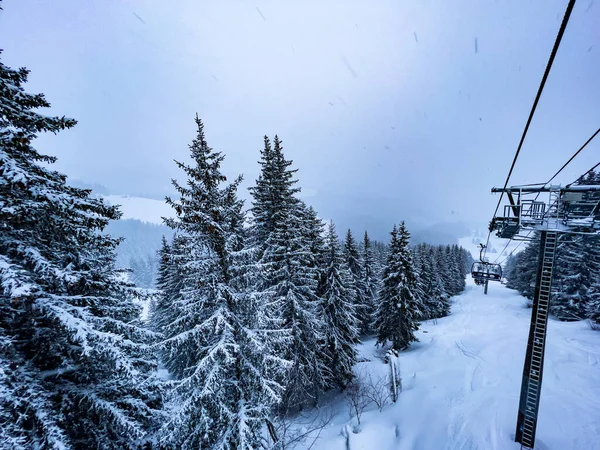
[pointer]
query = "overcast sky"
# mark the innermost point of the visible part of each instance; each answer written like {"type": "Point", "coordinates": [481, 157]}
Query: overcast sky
{"type": "Point", "coordinates": [390, 109]}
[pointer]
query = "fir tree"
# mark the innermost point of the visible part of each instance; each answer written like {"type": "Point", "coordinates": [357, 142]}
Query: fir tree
{"type": "Point", "coordinates": [356, 283]}
{"type": "Point", "coordinates": [370, 279]}
{"type": "Point", "coordinates": [524, 275]}
{"type": "Point", "coordinates": [341, 324]}
{"type": "Point", "coordinates": [435, 288]}
{"type": "Point", "coordinates": [143, 271]}
{"type": "Point", "coordinates": [224, 366]}
{"type": "Point", "coordinates": [509, 270]}
{"type": "Point", "coordinates": [75, 361]}
{"type": "Point", "coordinates": [577, 268]}
{"type": "Point", "coordinates": [314, 227]}
{"type": "Point", "coordinates": [443, 269]}
{"type": "Point", "coordinates": [266, 199]}
{"type": "Point", "coordinates": [286, 244]}
{"type": "Point", "coordinates": [169, 282]}
{"type": "Point", "coordinates": [399, 309]}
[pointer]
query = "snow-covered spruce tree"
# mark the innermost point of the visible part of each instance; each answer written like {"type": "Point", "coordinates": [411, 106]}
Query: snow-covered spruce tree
{"type": "Point", "coordinates": [266, 197]}
{"type": "Point", "coordinates": [75, 361]}
{"type": "Point", "coordinates": [593, 304]}
{"type": "Point", "coordinates": [399, 309]}
{"type": "Point", "coordinates": [286, 245]}
{"type": "Point", "coordinates": [458, 257]}
{"type": "Point", "coordinates": [571, 279]}
{"type": "Point", "coordinates": [577, 266]}
{"type": "Point", "coordinates": [424, 281]}
{"type": "Point", "coordinates": [435, 288]}
{"type": "Point", "coordinates": [356, 285]}
{"type": "Point", "coordinates": [169, 282]}
{"type": "Point", "coordinates": [162, 276]}
{"type": "Point", "coordinates": [143, 271]}
{"type": "Point", "coordinates": [341, 323]}
{"type": "Point", "coordinates": [508, 271]}
{"type": "Point", "coordinates": [370, 280]}
{"type": "Point", "coordinates": [576, 272]}
{"type": "Point", "coordinates": [443, 269]}
{"type": "Point", "coordinates": [314, 227]}
{"type": "Point", "coordinates": [456, 281]}
{"type": "Point", "coordinates": [225, 374]}
{"type": "Point", "coordinates": [525, 272]}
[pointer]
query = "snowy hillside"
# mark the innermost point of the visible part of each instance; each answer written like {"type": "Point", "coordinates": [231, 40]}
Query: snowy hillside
{"type": "Point", "coordinates": [462, 382]}
{"type": "Point", "coordinates": [141, 208]}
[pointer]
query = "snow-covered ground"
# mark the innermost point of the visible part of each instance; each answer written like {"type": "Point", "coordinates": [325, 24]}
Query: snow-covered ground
{"type": "Point", "coordinates": [462, 382]}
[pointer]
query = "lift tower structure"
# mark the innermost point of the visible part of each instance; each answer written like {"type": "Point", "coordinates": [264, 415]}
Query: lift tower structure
{"type": "Point", "coordinates": [570, 209]}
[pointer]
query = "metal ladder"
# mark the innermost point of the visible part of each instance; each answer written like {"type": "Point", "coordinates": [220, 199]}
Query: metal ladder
{"type": "Point", "coordinates": [534, 359]}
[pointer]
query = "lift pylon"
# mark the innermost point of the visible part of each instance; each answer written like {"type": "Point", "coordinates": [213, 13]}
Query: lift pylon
{"type": "Point", "coordinates": [570, 209]}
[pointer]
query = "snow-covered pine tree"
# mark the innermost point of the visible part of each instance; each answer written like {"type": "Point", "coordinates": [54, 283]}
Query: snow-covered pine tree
{"type": "Point", "coordinates": [356, 284]}
{"type": "Point", "coordinates": [224, 367]}
{"type": "Point", "coordinates": [435, 288]}
{"type": "Point", "coordinates": [314, 227]}
{"type": "Point", "coordinates": [458, 256]}
{"type": "Point", "coordinates": [593, 304]}
{"type": "Point", "coordinates": [76, 364]}
{"type": "Point", "coordinates": [443, 269]}
{"type": "Point", "coordinates": [399, 309]}
{"type": "Point", "coordinates": [370, 280]}
{"type": "Point", "coordinates": [381, 252]}
{"type": "Point", "coordinates": [424, 281]}
{"type": "Point", "coordinates": [341, 324]}
{"type": "Point", "coordinates": [572, 279]}
{"type": "Point", "coordinates": [430, 287]}
{"type": "Point", "coordinates": [286, 244]}
{"type": "Point", "coordinates": [266, 199]}
{"type": "Point", "coordinates": [169, 282]}
{"type": "Point", "coordinates": [525, 272]}
{"type": "Point", "coordinates": [455, 280]}
{"type": "Point", "coordinates": [143, 271]}
{"type": "Point", "coordinates": [579, 267]}
{"type": "Point", "coordinates": [508, 271]}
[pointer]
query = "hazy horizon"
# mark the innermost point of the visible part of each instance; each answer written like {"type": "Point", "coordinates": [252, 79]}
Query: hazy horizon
{"type": "Point", "coordinates": [398, 111]}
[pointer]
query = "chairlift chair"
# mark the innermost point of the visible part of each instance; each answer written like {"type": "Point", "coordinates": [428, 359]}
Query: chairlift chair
{"type": "Point", "coordinates": [482, 271]}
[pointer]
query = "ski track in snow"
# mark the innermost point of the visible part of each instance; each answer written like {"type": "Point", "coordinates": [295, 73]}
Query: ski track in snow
{"type": "Point", "coordinates": [462, 383]}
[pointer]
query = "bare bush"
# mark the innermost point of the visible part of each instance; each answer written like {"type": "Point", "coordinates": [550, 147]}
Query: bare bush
{"type": "Point", "coordinates": [357, 399]}
{"type": "Point", "coordinates": [377, 391]}
{"type": "Point", "coordinates": [366, 389]}
{"type": "Point", "coordinates": [287, 433]}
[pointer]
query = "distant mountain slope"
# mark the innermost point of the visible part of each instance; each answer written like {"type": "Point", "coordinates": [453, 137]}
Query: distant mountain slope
{"type": "Point", "coordinates": [496, 251]}
{"type": "Point", "coordinates": [141, 208]}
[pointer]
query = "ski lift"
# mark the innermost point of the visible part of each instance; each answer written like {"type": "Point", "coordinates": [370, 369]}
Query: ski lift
{"type": "Point", "coordinates": [483, 271]}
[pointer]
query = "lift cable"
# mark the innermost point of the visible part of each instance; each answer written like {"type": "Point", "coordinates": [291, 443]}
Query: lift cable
{"type": "Point", "coordinates": [503, 250]}
{"type": "Point", "coordinates": [514, 249]}
{"type": "Point", "coordinates": [511, 239]}
{"type": "Point", "coordinates": [573, 157]}
{"type": "Point", "coordinates": [561, 32]}
{"type": "Point", "coordinates": [548, 182]}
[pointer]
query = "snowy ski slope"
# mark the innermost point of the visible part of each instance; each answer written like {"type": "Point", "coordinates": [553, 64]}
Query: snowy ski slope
{"type": "Point", "coordinates": [462, 383]}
